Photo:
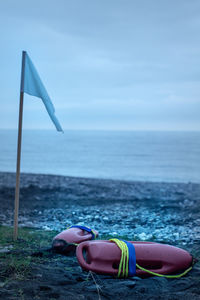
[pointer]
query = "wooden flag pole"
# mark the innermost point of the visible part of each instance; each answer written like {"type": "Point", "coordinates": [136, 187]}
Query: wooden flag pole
{"type": "Point", "coordinates": [15, 234]}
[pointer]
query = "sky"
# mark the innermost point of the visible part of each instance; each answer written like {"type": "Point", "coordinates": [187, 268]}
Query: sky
{"type": "Point", "coordinates": [106, 64]}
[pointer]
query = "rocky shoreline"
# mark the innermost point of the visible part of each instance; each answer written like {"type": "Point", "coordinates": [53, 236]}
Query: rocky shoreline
{"type": "Point", "coordinates": [138, 210]}
{"type": "Point", "coordinates": [162, 212]}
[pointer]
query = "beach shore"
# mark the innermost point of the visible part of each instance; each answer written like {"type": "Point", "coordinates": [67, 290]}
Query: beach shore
{"type": "Point", "coordinates": [162, 212]}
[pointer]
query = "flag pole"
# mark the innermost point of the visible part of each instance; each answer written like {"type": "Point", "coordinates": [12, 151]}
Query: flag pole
{"type": "Point", "coordinates": [15, 233]}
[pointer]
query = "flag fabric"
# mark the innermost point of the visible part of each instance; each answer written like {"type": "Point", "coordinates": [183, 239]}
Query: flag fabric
{"type": "Point", "coordinates": [33, 86]}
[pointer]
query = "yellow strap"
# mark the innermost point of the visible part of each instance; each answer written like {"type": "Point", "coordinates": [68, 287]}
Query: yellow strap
{"type": "Point", "coordinates": [95, 236]}
{"type": "Point", "coordinates": [123, 265]}
{"type": "Point", "coordinates": [162, 275]}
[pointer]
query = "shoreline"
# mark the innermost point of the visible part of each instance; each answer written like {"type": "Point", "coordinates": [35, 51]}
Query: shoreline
{"type": "Point", "coordinates": [28, 177]}
{"type": "Point", "coordinates": [139, 210]}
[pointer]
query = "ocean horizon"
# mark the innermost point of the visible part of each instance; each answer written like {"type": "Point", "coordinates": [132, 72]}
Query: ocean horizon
{"type": "Point", "coordinates": [157, 156]}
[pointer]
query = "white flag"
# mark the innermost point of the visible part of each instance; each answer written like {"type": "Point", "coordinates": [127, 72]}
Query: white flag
{"type": "Point", "coordinates": [33, 86]}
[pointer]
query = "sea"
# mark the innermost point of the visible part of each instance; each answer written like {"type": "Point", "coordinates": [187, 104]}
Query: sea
{"type": "Point", "coordinates": [154, 156]}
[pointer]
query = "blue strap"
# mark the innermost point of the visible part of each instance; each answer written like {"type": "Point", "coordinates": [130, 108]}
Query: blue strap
{"type": "Point", "coordinates": [86, 229]}
{"type": "Point", "coordinates": [132, 259]}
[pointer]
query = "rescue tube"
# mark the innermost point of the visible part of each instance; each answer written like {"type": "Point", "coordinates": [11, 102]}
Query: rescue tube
{"type": "Point", "coordinates": [103, 257]}
{"type": "Point", "coordinates": [66, 241]}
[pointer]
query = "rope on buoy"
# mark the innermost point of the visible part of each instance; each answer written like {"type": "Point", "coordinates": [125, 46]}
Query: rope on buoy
{"type": "Point", "coordinates": [126, 256]}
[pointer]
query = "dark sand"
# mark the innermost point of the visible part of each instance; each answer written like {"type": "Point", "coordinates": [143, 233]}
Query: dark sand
{"type": "Point", "coordinates": [163, 212]}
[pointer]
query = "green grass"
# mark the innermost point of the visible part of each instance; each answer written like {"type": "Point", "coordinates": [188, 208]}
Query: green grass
{"type": "Point", "coordinates": [16, 263]}
{"type": "Point", "coordinates": [27, 237]}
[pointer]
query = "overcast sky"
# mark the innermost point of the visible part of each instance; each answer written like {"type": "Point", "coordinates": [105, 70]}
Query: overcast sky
{"type": "Point", "coordinates": [106, 64]}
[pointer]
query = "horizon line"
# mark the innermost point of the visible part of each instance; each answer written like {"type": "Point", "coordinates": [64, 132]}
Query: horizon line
{"type": "Point", "coordinates": [101, 129]}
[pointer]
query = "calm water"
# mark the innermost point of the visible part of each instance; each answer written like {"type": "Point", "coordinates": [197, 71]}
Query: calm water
{"type": "Point", "coordinates": [151, 156]}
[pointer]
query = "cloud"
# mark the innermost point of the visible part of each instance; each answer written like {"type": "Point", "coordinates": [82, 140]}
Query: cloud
{"type": "Point", "coordinates": [121, 63]}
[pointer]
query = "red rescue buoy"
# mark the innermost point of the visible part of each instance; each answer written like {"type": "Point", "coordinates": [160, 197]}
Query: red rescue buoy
{"type": "Point", "coordinates": [103, 257]}
{"type": "Point", "coordinates": [66, 241]}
